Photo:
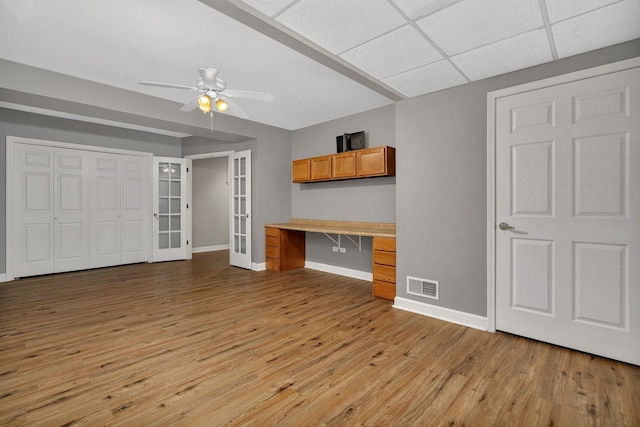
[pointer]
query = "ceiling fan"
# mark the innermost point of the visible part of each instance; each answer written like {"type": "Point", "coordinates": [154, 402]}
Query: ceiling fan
{"type": "Point", "coordinates": [214, 92]}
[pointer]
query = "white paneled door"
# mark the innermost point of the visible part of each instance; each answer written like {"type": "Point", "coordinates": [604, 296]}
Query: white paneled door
{"type": "Point", "coordinates": [240, 227]}
{"type": "Point", "coordinates": [169, 209]}
{"type": "Point", "coordinates": [568, 215]}
{"type": "Point", "coordinates": [71, 210]}
{"type": "Point", "coordinates": [105, 201]}
{"type": "Point", "coordinates": [33, 210]}
{"type": "Point", "coordinates": [75, 209]}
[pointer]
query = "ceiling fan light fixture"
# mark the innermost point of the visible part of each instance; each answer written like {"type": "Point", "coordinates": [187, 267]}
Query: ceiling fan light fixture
{"type": "Point", "coordinates": [221, 105]}
{"type": "Point", "coordinates": [204, 103]}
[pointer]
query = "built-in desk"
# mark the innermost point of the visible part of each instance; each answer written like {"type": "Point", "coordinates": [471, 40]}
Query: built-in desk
{"type": "Point", "coordinates": [285, 247]}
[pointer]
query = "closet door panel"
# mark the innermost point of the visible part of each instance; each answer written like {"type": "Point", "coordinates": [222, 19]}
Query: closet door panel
{"type": "Point", "coordinates": [32, 238]}
{"type": "Point", "coordinates": [71, 210]}
{"type": "Point", "coordinates": [105, 209]}
{"type": "Point", "coordinates": [135, 209]}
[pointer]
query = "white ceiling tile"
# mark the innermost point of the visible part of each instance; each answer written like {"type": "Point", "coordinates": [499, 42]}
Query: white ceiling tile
{"type": "Point", "coordinates": [338, 25]}
{"type": "Point", "coordinates": [563, 9]}
{"type": "Point", "coordinates": [522, 51]}
{"type": "Point", "coordinates": [419, 8]}
{"type": "Point", "coordinates": [400, 50]}
{"type": "Point", "coordinates": [429, 78]}
{"type": "Point", "coordinates": [610, 25]}
{"type": "Point", "coordinates": [268, 7]}
{"type": "Point", "coordinates": [471, 23]}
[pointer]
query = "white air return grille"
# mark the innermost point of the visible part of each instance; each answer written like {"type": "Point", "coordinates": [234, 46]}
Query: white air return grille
{"type": "Point", "coordinates": [423, 287]}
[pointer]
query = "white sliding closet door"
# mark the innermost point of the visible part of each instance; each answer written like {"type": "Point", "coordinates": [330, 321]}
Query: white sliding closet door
{"type": "Point", "coordinates": [71, 210]}
{"type": "Point", "coordinates": [32, 210]}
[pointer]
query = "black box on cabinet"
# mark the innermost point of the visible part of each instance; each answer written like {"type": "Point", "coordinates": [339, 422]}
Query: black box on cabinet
{"type": "Point", "coordinates": [350, 141]}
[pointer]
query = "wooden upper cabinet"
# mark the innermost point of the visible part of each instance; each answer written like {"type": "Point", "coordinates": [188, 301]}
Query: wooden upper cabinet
{"type": "Point", "coordinates": [377, 161]}
{"type": "Point", "coordinates": [301, 170]}
{"type": "Point", "coordinates": [368, 162]}
{"type": "Point", "coordinates": [321, 168]}
{"type": "Point", "coordinates": [344, 165]}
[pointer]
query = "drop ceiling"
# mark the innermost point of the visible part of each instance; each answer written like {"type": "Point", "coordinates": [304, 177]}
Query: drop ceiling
{"type": "Point", "coordinates": [321, 59]}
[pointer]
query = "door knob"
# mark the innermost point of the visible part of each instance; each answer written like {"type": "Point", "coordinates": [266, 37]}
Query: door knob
{"type": "Point", "coordinates": [505, 226]}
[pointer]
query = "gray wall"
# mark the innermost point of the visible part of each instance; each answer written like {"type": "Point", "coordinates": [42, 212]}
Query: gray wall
{"type": "Point", "coordinates": [29, 125]}
{"type": "Point", "coordinates": [441, 181]}
{"type": "Point", "coordinates": [369, 199]}
{"type": "Point", "coordinates": [210, 202]}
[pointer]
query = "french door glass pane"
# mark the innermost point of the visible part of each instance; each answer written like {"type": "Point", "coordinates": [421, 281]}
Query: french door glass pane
{"type": "Point", "coordinates": [163, 241]}
{"type": "Point", "coordinates": [169, 205]}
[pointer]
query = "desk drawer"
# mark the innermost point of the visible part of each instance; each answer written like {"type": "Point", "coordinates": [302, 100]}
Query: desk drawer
{"type": "Point", "coordinates": [384, 273]}
{"type": "Point", "coordinates": [272, 252]}
{"type": "Point", "coordinates": [270, 231]}
{"type": "Point", "coordinates": [384, 243]}
{"type": "Point", "coordinates": [272, 241]}
{"type": "Point", "coordinates": [273, 264]}
{"type": "Point", "coordinates": [384, 257]}
{"type": "Point", "coordinates": [384, 290]}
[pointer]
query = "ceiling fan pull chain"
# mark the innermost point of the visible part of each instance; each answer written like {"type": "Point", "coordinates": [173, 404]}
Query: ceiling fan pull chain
{"type": "Point", "coordinates": [211, 114]}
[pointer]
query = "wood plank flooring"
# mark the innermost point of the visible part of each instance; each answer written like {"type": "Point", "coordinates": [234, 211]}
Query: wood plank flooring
{"type": "Point", "coordinates": [202, 343]}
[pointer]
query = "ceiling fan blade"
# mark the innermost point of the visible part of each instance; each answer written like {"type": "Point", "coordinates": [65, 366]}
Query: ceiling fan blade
{"type": "Point", "coordinates": [168, 85]}
{"type": "Point", "coordinates": [208, 76]}
{"type": "Point", "coordinates": [260, 96]}
{"type": "Point", "coordinates": [190, 106]}
{"type": "Point", "coordinates": [236, 109]}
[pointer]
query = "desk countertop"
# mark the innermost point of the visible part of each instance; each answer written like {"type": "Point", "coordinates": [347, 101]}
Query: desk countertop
{"type": "Point", "coordinates": [339, 227]}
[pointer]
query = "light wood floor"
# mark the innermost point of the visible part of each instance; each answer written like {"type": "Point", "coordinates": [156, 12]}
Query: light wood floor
{"type": "Point", "coordinates": [203, 343]}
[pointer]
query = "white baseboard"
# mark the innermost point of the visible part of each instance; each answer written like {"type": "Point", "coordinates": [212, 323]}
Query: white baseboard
{"type": "Point", "coordinates": [209, 248]}
{"type": "Point", "coordinates": [442, 313]}
{"type": "Point", "coordinates": [341, 271]}
{"type": "Point", "coordinates": [259, 266]}
{"type": "Point", "coordinates": [3, 278]}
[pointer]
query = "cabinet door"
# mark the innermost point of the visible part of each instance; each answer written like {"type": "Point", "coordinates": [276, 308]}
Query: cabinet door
{"type": "Point", "coordinates": [321, 168]}
{"type": "Point", "coordinates": [301, 170]}
{"type": "Point", "coordinates": [372, 161]}
{"type": "Point", "coordinates": [344, 165]}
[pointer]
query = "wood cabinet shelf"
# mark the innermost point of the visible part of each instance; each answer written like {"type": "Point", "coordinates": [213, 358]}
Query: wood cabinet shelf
{"type": "Point", "coordinates": [365, 163]}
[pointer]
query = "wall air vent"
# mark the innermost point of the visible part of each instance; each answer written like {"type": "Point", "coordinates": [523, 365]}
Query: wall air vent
{"type": "Point", "coordinates": [423, 287]}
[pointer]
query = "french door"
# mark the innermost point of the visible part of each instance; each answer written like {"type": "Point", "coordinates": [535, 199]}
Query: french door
{"type": "Point", "coordinates": [169, 209]}
{"type": "Point", "coordinates": [568, 215]}
{"type": "Point", "coordinates": [240, 227]}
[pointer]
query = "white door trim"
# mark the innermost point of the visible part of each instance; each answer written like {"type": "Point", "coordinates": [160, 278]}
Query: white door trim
{"type": "Point", "coordinates": [492, 98]}
{"type": "Point", "coordinates": [10, 141]}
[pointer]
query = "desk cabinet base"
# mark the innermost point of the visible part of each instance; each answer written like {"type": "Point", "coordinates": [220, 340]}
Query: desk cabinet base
{"type": "Point", "coordinates": [384, 267]}
{"type": "Point", "coordinates": [284, 249]}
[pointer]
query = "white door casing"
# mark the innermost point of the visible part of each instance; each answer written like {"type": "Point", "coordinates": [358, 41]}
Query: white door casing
{"type": "Point", "coordinates": [169, 209]}
{"type": "Point", "coordinates": [240, 226]}
{"type": "Point", "coordinates": [567, 165]}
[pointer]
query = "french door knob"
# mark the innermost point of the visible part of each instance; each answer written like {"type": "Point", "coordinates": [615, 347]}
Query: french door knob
{"type": "Point", "coordinates": [505, 226]}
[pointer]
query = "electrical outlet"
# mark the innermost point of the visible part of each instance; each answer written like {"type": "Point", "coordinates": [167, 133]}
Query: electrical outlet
{"type": "Point", "coordinates": [335, 249]}
{"type": "Point", "coordinates": [343, 250]}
